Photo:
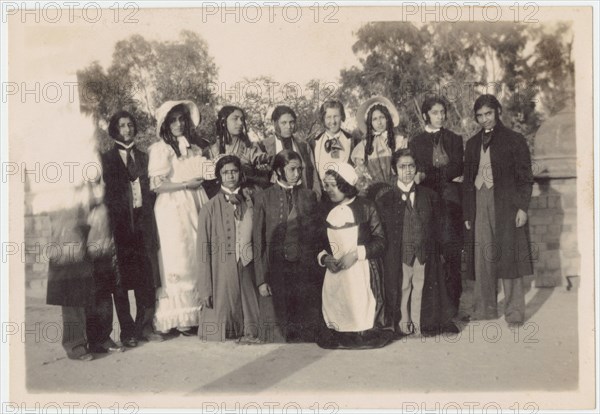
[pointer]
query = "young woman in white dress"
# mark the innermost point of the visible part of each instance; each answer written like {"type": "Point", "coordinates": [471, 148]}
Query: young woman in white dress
{"type": "Point", "coordinates": [177, 169]}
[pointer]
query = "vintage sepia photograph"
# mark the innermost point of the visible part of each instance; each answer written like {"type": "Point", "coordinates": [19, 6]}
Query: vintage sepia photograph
{"type": "Point", "coordinates": [298, 207]}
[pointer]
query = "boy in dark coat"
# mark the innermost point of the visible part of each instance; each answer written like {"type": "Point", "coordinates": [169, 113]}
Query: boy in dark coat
{"type": "Point", "coordinates": [415, 291]}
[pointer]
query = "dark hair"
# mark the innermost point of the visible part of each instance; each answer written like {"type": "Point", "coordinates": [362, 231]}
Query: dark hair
{"type": "Point", "coordinates": [281, 110]}
{"type": "Point", "coordinates": [331, 104]}
{"type": "Point", "coordinates": [491, 102]}
{"type": "Point", "coordinates": [223, 135]}
{"type": "Point", "coordinates": [404, 152]}
{"type": "Point", "coordinates": [229, 159]}
{"type": "Point", "coordinates": [188, 131]}
{"type": "Point", "coordinates": [344, 186]}
{"type": "Point", "coordinates": [113, 125]}
{"type": "Point", "coordinates": [391, 141]}
{"type": "Point", "coordinates": [282, 159]}
{"type": "Point", "coordinates": [429, 103]}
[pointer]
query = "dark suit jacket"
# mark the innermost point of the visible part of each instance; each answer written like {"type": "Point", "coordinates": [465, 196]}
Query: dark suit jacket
{"type": "Point", "coordinates": [436, 308]}
{"type": "Point", "coordinates": [269, 228]}
{"type": "Point", "coordinates": [310, 175]}
{"type": "Point", "coordinates": [119, 200]}
{"type": "Point", "coordinates": [513, 183]}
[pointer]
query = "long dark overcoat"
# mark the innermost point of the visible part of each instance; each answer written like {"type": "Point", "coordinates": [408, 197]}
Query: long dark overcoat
{"type": "Point", "coordinates": [513, 183]}
{"type": "Point", "coordinates": [136, 249]}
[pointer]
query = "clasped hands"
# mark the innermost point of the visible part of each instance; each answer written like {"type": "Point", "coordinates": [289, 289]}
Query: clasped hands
{"type": "Point", "coordinates": [345, 262]}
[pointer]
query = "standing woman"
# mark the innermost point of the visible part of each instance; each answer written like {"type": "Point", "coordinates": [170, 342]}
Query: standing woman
{"type": "Point", "coordinates": [353, 285]}
{"type": "Point", "coordinates": [438, 153]}
{"type": "Point", "coordinates": [232, 139]}
{"type": "Point", "coordinates": [333, 145]}
{"type": "Point", "coordinates": [176, 171]}
{"type": "Point", "coordinates": [376, 118]}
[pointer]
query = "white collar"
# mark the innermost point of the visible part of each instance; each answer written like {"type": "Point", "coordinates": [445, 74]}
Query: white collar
{"type": "Point", "coordinates": [287, 186]}
{"type": "Point", "coordinates": [347, 201]}
{"type": "Point", "coordinates": [404, 187]}
{"type": "Point", "coordinates": [124, 147]}
{"type": "Point", "coordinates": [336, 135]}
{"type": "Point", "coordinates": [432, 130]}
{"type": "Point", "coordinates": [228, 191]}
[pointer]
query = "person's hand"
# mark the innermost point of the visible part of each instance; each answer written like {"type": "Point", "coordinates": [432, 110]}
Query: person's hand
{"type": "Point", "coordinates": [206, 302]}
{"type": "Point", "coordinates": [264, 290]}
{"type": "Point", "coordinates": [521, 218]}
{"type": "Point", "coordinates": [348, 260]}
{"type": "Point", "coordinates": [193, 184]}
{"type": "Point", "coordinates": [263, 162]}
{"type": "Point", "coordinates": [261, 158]}
{"type": "Point", "coordinates": [420, 177]}
{"type": "Point", "coordinates": [468, 225]}
{"type": "Point", "coordinates": [331, 264]}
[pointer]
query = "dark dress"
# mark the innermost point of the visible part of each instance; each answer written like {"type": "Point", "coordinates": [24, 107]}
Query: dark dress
{"type": "Point", "coordinates": [371, 236]}
{"type": "Point", "coordinates": [439, 178]}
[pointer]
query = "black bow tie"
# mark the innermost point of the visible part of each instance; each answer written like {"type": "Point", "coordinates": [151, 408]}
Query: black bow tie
{"type": "Point", "coordinates": [235, 200]}
{"type": "Point", "coordinates": [333, 143]}
{"type": "Point", "coordinates": [487, 139]}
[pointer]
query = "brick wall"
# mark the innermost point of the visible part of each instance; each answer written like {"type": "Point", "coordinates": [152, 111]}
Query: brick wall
{"type": "Point", "coordinates": [553, 230]}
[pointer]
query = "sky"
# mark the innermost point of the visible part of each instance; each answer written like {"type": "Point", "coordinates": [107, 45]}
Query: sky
{"type": "Point", "coordinates": [295, 51]}
{"type": "Point", "coordinates": [46, 50]}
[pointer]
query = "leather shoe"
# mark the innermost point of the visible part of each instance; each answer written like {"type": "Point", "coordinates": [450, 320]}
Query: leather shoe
{"type": "Point", "coordinates": [450, 328]}
{"type": "Point", "coordinates": [83, 357]}
{"type": "Point", "coordinates": [130, 342]}
{"type": "Point", "coordinates": [99, 349]}
{"type": "Point", "coordinates": [249, 340]}
{"type": "Point", "coordinates": [154, 337]}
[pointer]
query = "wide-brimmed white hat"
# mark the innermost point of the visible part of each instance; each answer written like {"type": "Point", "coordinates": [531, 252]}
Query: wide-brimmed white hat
{"type": "Point", "coordinates": [363, 109]}
{"type": "Point", "coordinates": [165, 108]}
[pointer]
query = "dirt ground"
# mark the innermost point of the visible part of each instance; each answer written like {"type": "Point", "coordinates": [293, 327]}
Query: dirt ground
{"type": "Point", "coordinates": [487, 356]}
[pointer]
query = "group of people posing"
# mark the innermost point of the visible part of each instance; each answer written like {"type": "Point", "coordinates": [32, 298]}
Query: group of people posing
{"type": "Point", "coordinates": [349, 245]}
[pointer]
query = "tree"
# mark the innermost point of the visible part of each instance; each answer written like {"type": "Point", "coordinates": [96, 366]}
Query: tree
{"type": "Point", "coordinates": [528, 67]}
{"type": "Point", "coordinates": [144, 74]}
